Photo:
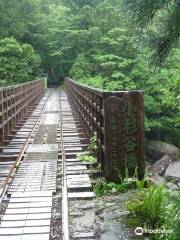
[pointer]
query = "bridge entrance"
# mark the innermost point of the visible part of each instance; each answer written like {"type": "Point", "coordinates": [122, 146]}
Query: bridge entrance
{"type": "Point", "coordinates": [42, 133]}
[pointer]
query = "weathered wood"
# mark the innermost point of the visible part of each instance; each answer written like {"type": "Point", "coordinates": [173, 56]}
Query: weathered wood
{"type": "Point", "coordinates": [120, 129]}
{"type": "Point", "coordinates": [134, 102]}
{"type": "Point", "coordinates": [124, 136]}
{"type": "Point", "coordinates": [114, 163]}
{"type": "Point", "coordinates": [15, 103]}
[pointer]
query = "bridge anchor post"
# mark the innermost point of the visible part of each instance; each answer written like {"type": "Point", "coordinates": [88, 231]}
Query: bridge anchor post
{"type": "Point", "coordinates": [124, 136]}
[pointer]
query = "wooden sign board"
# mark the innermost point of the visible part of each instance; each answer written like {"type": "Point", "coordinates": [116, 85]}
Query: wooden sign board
{"type": "Point", "coordinates": [124, 136]}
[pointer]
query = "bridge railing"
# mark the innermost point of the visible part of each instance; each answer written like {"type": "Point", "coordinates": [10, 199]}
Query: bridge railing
{"type": "Point", "coordinates": [15, 102]}
{"type": "Point", "coordinates": [117, 117]}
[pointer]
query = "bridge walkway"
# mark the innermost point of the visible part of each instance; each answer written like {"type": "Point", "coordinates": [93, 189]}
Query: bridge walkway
{"type": "Point", "coordinates": [51, 151]}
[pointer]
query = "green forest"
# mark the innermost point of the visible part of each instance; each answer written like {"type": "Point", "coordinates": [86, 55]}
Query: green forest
{"type": "Point", "coordinates": [107, 44]}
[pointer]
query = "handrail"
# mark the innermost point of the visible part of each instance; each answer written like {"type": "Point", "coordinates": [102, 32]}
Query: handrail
{"type": "Point", "coordinates": [98, 91]}
{"type": "Point", "coordinates": [15, 102]}
{"type": "Point", "coordinates": [120, 130]}
{"type": "Point", "coordinates": [19, 85]}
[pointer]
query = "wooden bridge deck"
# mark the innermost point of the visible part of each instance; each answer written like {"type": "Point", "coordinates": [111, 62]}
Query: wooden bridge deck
{"type": "Point", "coordinates": [41, 134]}
{"type": "Point", "coordinates": [51, 150]}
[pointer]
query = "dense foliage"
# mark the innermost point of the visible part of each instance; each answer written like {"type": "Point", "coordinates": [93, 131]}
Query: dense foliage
{"type": "Point", "coordinates": [114, 59]}
{"type": "Point", "coordinates": [92, 41]}
{"type": "Point", "coordinates": [18, 62]}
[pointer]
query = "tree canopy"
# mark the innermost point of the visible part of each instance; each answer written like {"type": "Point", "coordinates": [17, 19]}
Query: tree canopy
{"type": "Point", "coordinates": [163, 15]}
{"type": "Point", "coordinates": [18, 62]}
{"type": "Point", "coordinates": [107, 44]}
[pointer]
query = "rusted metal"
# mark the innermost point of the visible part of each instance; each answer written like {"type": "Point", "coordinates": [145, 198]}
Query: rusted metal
{"type": "Point", "coordinates": [118, 119]}
{"type": "Point", "coordinates": [15, 104]}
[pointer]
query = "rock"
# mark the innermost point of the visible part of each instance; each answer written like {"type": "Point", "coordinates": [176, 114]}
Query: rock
{"type": "Point", "coordinates": [157, 149]}
{"type": "Point", "coordinates": [107, 215]}
{"type": "Point", "coordinates": [173, 171]}
{"type": "Point", "coordinates": [156, 179]}
{"type": "Point", "coordinates": [85, 221]}
{"type": "Point", "coordinates": [148, 166]}
{"type": "Point", "coordinates": [121, 198]}
{"type": "Point", "coordinates": [88, 205]}
{"type": "Point", "coordinates": [110, 204]}
{"type": "Point", "coordinates": [172, 186]}
{"type": "Point", "coordinates": [161, 165]}
{"type": "Point", "coordinates": [119, 214]}
{"type": "Point", "coordinates": [76, 213]}
{"type": "Point", "coordinates": [148, 161]}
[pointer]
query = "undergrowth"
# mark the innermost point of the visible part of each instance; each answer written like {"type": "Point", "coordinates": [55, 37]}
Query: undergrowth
{"type": "Point", "coordinates": [157, 209]}
{"type": "Point", "coordinates": [103, 187]}
{"type": "Point", "coordinates": [171, 219]}
{"type": "Point", "coordinates": [93, 147]}
{"type": "Point", "coordinates": [89, 156]}
{"type": "Point", "coordinates": [151, 205]}
{"type": "Point", "coordinates": [86, 157]}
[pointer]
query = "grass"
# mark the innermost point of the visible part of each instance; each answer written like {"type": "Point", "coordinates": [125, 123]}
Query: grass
{"type": "Point", "coordinates": [171, 218]}
{"type": "Point", "coordinates": [151, 205]}
{"type": "Point", "coordinates": [85, 157]}
{"type": "Point", "coordinates": [89, 155]}
{"type": "Point", "coordinates": [156, 209]}
{"type": "Point", "coordinates": [103, 187]}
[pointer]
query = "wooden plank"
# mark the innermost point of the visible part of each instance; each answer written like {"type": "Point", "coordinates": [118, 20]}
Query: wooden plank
{"type": "Point", "coordinates": [81, 195]}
